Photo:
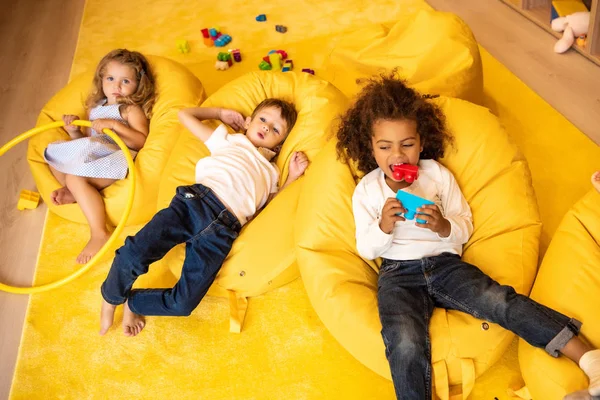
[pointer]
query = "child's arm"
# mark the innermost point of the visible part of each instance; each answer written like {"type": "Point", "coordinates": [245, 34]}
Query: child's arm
{"type": "Point", "coordinates": [371, 240]}
{"type": "Point", "coordinates": [133, 135]}
{"type": "Point", "coordinates": [73, 131]}
{"type": "Point", "coordinates": [192, 119]}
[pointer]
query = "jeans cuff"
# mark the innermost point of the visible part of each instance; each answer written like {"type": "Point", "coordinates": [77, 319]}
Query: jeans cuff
{"type": "Point", "coordinates": [110, 300]}
{"type": "Point", "coordinates": [559, 341]}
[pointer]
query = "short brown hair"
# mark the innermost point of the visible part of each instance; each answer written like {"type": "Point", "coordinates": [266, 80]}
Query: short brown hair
{"type": "Point", "coordinates": [287, 110]}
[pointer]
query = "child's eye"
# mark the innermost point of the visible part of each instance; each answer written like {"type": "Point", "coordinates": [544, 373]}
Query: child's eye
{"type": "Point", "coordinates": [408, 145]}
{"type": "Point", "coordinates": [126, 81]}
{"type": "Point", "coordinates": [384, 148]}
{"type": "Point", "coordinates": [276, 130]}
{"type": "Point", "coordinates": [262, 119]}
{"type": "Point", "coordinates": [109, 78]}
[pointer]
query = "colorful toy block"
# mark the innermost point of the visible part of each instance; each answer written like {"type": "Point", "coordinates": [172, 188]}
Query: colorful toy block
{"type": "Point", "coordinates": [308, 71]}
{"type": "Point", "coordinates": [225, 57]}
{"type": "Point", "coordinates": [275, 60]}
{"type": "Point", "coordinates": [288, 66]}
{"type": "Point", "coordinates": [205, 33]}
{"type": "Point", "coordinates": [212, 32]}
{"type": "Point", "coordinates": [280, 28]}
{"type": "Point", "coordinates": [28, 200]}
{"type": "Point", "coordinates": [183, 46]}
{"type": "Point", "coordinates": [221, 65]}
{"type": "Point", "coordinates": [264, 66]}
{"type": "Point", "coordinates": [261, 18]}
{"type": "Point", "coordinates": [411, 202]}
{"type": "Point", "coordinates": [208, 42]}
{"type": "Point", "coordinates": [408, 172]}
{"type": "Point", "coordinates": [222, 40]}
{"type": "Point", "coordinates": [237, 56]}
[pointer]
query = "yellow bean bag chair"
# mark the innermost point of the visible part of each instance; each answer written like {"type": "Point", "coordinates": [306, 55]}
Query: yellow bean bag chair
{"type": "Point", "coordinates": [342, 287]}
{"type": "Point", "coordinates": [263, 257]}
{"type": "Point", "coordinates": [569, 282]}
{"type": "Point", "coordinates": [176, 88]}
{"type": "Point", "coordinates": [435, 51]}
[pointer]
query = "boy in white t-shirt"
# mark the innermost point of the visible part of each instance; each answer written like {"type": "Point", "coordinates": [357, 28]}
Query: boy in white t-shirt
{"type": "Point", "coordinates": [232, 185]}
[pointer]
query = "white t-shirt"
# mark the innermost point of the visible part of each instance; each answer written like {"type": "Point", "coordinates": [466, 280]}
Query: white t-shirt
{"type": "Point", "coordinates": [408, 241]}
{"type": "Point", "coordinates": [238, 173]}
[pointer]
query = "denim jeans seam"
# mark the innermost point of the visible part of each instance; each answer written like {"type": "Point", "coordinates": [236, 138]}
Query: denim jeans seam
{"type": "Point", "coordinates": [549, 315]}
{"type": "Point", "coordinates": [110, 300]}
{"type": "Point", "coordinates": [428, 348]}
{"type": "Point", "coordinates": [463, 307]}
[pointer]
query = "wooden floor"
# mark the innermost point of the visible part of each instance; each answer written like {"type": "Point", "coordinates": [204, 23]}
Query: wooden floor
{"type": "Point", "coordinates": [37, 64]}
{"type": "Point", "coordinates": [37, 44]}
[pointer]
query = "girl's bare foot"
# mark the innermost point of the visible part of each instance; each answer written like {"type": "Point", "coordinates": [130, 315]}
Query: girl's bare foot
{"type": "Point", "coordinates": [132, 322]}
{"type": "Point", "coordinates": [596, 181]}
{"type": "Point", "coordinates": [93, 246]}
{"type": "Point", "coordinates": [107, 315]}
{"type": "Point", "coordinates": [62, 196]}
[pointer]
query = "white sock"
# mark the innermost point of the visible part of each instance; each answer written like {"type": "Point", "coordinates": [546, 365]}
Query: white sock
{"type": "Point", "coordinates": [590, 364]}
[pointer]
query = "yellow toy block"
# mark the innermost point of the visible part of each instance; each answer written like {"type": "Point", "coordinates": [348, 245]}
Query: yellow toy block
{"type": "Point", "coordinates": [183, 46]}
{"type": "Point", "coordinates": [28, 199]}
{"type": "Point", "coordinates": [566, 7]}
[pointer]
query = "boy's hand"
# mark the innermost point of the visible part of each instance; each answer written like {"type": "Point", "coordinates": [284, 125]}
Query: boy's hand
{"type": "Point", "coordinates": [102, 123]}
{"type": "Point", "coordinates": [435, 220]}
{"type": "Point", "coordinates": [68, 120]}
{"type": "Point", "coordinates": [298, 165]}
{"type": "Point", "coordinates": [389, 216]}
{"type": "Point", "coordinates": [232, 118]}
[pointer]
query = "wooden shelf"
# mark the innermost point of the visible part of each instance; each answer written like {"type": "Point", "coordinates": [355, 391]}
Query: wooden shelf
{"type": "Point", "coordinates": [539, 12]}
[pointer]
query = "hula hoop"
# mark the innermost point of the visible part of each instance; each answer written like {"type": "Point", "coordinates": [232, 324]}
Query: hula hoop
{"type": "Point", "coordinates": [118, 229]}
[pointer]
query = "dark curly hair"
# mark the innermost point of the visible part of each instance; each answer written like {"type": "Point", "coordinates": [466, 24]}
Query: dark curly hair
{"type": "Point", "coordinates": [387, 97]}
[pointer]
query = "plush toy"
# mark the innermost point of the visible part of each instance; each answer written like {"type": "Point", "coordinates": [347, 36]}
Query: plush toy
{"type": "Point", "coordinates": [572, 26]}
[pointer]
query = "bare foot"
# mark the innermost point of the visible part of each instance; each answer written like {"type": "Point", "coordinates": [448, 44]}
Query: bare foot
{"type": "Point", "coordinates": [132, 322]}
{"type": "Point", "coordinates": [93, 246]}
{"type": "Point", "coordinates": [107, 315]}
{"type": "Point", "coordinates": [596, 181]}
{"type": "Point", "coordinates": [62, 196]}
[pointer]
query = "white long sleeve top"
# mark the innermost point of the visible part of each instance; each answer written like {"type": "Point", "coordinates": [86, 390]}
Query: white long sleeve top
{"type": "Point", "coordinates": [408, 241]}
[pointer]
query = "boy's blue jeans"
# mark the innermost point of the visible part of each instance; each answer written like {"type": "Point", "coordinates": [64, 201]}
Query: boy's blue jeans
{"type": "Point", "coordinates": [409, 290]}
{"type": "Point", "coordinates": [198, 218]}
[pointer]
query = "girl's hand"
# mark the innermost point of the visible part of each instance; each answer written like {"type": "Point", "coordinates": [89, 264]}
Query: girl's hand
{"type": "Point", "coordinates": [102, 123]}
{"type": "Point", "coordinates": [389, 214]}
{"type": "Point", "coordinates": [435, 220]}
{"type": "Point", "coordinates": [68, 120]}
{"type": "Point", "coordinates": [232, 118]}
{"type": "Point", "coordinates": [298, 165]}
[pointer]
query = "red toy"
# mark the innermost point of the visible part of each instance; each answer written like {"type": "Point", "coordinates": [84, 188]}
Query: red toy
{"type": "Point", "coordinates": [408, 172]}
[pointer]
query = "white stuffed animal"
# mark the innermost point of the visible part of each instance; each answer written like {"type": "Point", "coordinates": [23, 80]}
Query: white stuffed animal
{"type": "Point", "coordinates": [572, 26]}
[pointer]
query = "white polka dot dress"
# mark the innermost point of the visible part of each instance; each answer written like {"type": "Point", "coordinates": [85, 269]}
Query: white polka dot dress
{"type": "Point", "coordinates": [95, 156]}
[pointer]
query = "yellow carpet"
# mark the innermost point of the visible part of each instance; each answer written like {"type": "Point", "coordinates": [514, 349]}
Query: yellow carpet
{"type": "Point", "coordinates": [284, 351]}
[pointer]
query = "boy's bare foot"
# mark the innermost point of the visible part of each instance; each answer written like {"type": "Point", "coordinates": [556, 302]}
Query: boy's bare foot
{"type": "Point", "coordinates": [132, 322]}
{"type": "Point", "coordinates": [62, 196]}
{"type": "Point", "coordinates": [107, 315]}
{"type": "Point", "coordinates": [596, 181]}
{"type": "Point", "coordinates": [93, 246]}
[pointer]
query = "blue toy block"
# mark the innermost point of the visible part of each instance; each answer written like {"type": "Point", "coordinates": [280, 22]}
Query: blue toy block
{"type": "Point", "coordinates": [261, 18]}
{"type": "Point", "coordinates": [222, 40]}
{"type": "Point", "coordinates": [212, 32]}
{"type": "Point", "coordinates": [411, 203]}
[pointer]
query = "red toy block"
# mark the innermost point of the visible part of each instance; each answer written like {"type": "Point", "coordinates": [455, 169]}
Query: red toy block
{"type": "Point", "coordinates": [205, 33]}
{"type": "Point", "coordinates": [408, 172]}
{"type": "Point", "coordinates": [283, 54]}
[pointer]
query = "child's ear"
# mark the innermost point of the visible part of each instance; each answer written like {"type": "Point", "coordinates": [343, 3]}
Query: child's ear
{"type": "Point", "coordinates": [247, 122]}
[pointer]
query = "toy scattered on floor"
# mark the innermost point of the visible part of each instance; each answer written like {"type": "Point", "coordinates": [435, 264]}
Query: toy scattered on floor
{"type": "Point", "coordinates": [237, 56]}
{"type": "Point", "coordinates": [408, 172]}
{"type": "Point", "coordinates": [261, 18]}
{"type": "Point", "coordinates": [287, 66]}
{"type": "Point", "coordinates": [308, 71]}
{"type": "Point", "coordinates": [581, 40]}
{"type": "Point", "coordinates": [273, 60]}
{"type": "Point", "coordinates": [221, 65]}
{"type": "Point", "coordinates": [225, 57]}
{"type": "Point", "coordinates": [411, 202]}
{"type": "Point", "coordinates": [280, 28]}
{"type": "Point", "coordinates": [28, 200]}
{"type": "Point", "coordinates": [213, 37]}
{"type": "Point", "coordinates": [572, 26]}
{"type": "Point", "coordinates": [183, 46]}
